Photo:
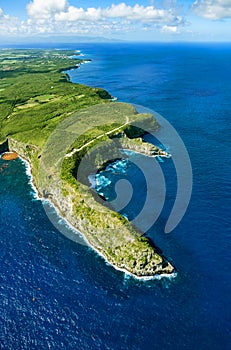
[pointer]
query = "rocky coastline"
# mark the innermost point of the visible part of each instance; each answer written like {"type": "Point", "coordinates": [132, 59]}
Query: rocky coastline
{"type": "Point", "coordinates": [54, 126]}
{"type": "Point", "coordinates": [120, 244]}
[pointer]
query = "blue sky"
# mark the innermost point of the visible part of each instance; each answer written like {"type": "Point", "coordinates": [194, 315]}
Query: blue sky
{"type": "Point", "coordinates": [133, 20]}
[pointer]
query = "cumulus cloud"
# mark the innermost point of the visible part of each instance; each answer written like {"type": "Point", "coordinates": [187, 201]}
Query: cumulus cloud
{"type": "Point", "coordinates": [213, 9]}
{"type": "Point", "coordinates": [9, 24]}
{"type": "Point", "coordinates": [65, 18]}
{"type": "Point", "coordinates": [2, 15]}
{"type": "Point", "coordinates": [45, 8]}
{"type": "Point", "coordinates": [169, 29]}
{"type": "Point", "coordinates": [60, 17]}
{"type": "Point", "coordinates": [120, 11]}
{"type": "Point", "coordinates": [61, 11]}
{"type": "Point", "coordinates": [79, 14]}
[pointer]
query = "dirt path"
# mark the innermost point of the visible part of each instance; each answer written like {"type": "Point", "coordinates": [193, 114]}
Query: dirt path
{"type": "Point", "coordinates": [96, 138]}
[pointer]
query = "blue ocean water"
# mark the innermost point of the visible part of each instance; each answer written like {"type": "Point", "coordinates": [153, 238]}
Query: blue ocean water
{"type": "Point", "coordinates": [56, 294]}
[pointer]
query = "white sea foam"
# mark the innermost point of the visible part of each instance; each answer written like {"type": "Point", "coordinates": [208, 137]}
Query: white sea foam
{"type": "Point", "coordinates": [114, 98]}
{"type": "Point", "coordinates": [34, 191]}
{"type": "Point", "coordinates": [118, 166]}
{"type": "Point", "coordinates": [101, 181]}
{"type": "Point", "coordinates": [63, 226]}
{"type": "Point", "coordinates": [128, 275]}
{"type": "Point", "coordinates": [92, 180]}
{"type": "Point", "coordinates": [150, 278]}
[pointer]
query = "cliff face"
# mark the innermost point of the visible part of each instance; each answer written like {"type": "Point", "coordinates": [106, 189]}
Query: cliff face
{"type": "Point", "coordinates": [29, 153]}
{"type": "Point", "coordinates": [137, 145]}
{"type": "Point", "coordinates": [50, 115]}
{"type": "Point", "coordinates": [106, 231]}
{"type": "Point", "coordinates": [120, 243]}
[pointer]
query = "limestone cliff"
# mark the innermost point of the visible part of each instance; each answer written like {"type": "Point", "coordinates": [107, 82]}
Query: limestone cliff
{"type": "Point", "coordinates": [106, 231]}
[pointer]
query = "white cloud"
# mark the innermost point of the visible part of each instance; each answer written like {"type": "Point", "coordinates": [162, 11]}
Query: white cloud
{"type": "Point", "coordinates": [64, 18]}
{"type": "Point", "coordinates": [121, 11]}
{"type": "Point", "coordinates": [78, 14]}
{"type": "Point", "coordinates": [213, 9]}
{"type": "Point", "coordinates": [2, 15]}
{"type": "Point", "coordinates": [9, 24]}
{"type": "Point", "coordinates": [59, 17]}
{"type": "Point", "coordinates": [169, 29]}
{"type": "Point", "coordinates": [45, 8]}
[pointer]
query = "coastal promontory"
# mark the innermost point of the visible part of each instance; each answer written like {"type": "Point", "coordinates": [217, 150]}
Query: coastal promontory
{"type": "Point", "coordinates": [66, 132]}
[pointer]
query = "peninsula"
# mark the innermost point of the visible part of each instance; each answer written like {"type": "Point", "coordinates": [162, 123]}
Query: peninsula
{"type": "Point", "coordinates": [67, 131]}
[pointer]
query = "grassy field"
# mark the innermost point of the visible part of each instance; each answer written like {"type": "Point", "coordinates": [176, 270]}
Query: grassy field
{"type": "Point", "coordinates": [35, 94]}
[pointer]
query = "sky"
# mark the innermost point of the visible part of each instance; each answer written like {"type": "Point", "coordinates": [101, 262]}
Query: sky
{"type": "Point", "coordinates": [129, 20]}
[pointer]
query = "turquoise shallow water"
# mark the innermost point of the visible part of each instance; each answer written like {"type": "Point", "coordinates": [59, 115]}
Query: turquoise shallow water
{"type": "Point", "coordinates": [57, 294]}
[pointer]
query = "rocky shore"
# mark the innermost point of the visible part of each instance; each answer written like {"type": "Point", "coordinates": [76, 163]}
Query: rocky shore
{"type": "Point", "coordinates": [107, 232]}
{"type": "Point", "coordinates": [59, 127]}
{"type": "Point", "coordinates": [138, 146]}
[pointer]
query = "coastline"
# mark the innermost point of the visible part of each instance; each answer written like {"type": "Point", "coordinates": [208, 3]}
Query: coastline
{"type": "Point", "coordinates": [46, 200]}
{"type": "Point", "coordinates": [123, 246]}
{"type": "Point", "coordinates": [148, 155]}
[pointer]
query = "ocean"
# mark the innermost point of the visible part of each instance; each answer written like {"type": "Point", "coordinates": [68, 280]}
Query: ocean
{"type": "Point", "coordinates": [57, 294]}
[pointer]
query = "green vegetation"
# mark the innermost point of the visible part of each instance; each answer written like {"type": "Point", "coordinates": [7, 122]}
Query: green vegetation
{"type": "Point", "coordinates": [36, 94]}
{"type": "Point", "coordinates": [67, 131]}
{"type": "Point", "coordinates": [92, 146]}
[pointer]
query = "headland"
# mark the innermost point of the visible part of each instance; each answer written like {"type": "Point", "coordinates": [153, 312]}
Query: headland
{"type": "Point", "coordinates": [67, 131]}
